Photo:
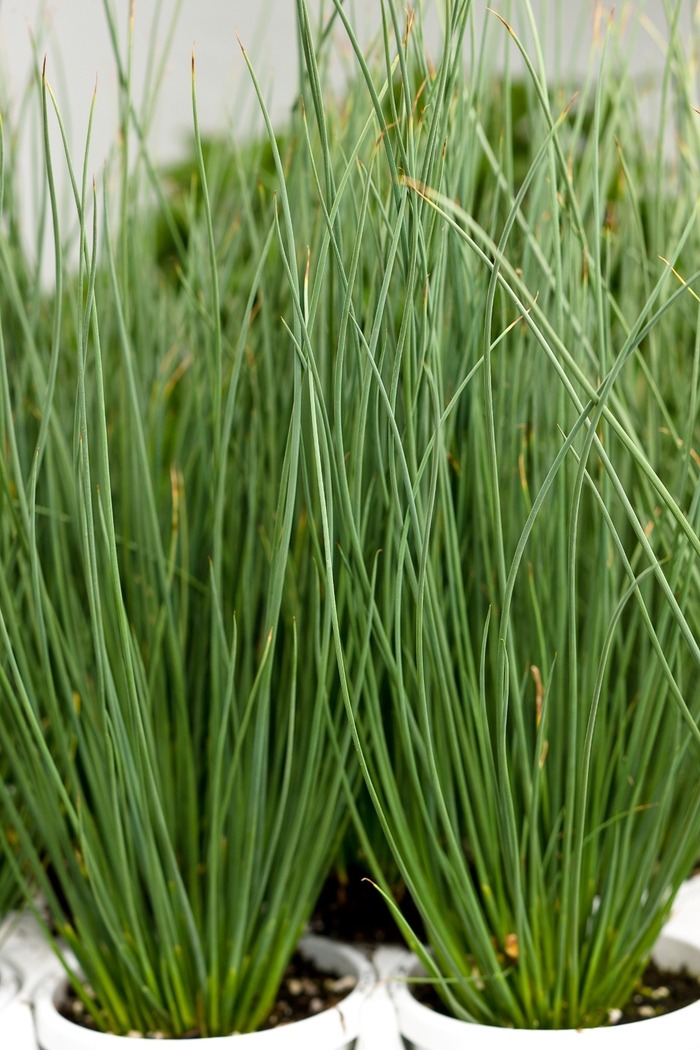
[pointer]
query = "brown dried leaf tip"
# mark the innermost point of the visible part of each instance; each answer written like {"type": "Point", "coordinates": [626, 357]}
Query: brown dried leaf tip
{"type": "Point", "coordinates": [539, 697]}
{"type": "Point", "coordinates": [510, 946]}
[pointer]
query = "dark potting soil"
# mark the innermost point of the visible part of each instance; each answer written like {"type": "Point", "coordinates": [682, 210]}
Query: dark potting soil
{"type": "Point", "coordinates": [305, 991]}
{"type": "Point", "coordinates": [657, 992]}
{"type": "Point", "coordinates": [350, 909]}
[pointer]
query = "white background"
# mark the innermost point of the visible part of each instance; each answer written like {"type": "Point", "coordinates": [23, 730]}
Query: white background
{"type": "Point", "coordinates": [74, 36]}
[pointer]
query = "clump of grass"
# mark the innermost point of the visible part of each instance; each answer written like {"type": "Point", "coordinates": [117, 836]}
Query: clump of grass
{"type": "Point", "coordinates": [468, 466]}
{"type": "Point", "coordinates": [503, 395]}
{"type": "Point", "coordinates": [170, 717]}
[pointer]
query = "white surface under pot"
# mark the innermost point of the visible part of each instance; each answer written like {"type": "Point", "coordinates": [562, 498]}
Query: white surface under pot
{"type": "Point", "coordinates": [424, 1029]}
{"type": "Point", "coordinates": [26, 953]}
{"type": "Point", "coordinates": [12, 1033]}
{"type": "Point", "coordinates": [333, 1029]}
{"type": "Point", "coordinates": [9, 985]}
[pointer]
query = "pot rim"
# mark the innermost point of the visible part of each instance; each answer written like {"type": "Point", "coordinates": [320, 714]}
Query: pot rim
{"type": "Point", "coordinates": [329, 1030]}
{"type": "Point", "coordinates": [428, 1030]}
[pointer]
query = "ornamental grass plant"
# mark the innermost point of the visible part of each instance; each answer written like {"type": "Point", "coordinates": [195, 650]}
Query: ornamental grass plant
{"type": "Point", "coordinates": [446, 507]}
{"type": "Point", "coordinates": [502, 402]}
{"type": "Point", "coordinates": [169, 689]}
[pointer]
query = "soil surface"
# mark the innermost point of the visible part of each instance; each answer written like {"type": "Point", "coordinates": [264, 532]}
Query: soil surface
{"type": "Point", "coordinates": [304, 991]}
{"type": "Point", "coordinates": [657, 992]}
{"type": "Point", "coordinates": [351, 909]}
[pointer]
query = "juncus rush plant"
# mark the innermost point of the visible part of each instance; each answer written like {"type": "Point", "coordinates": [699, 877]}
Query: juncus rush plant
{"type": "Point", "coordinates": [167, 672]}
{"type": "Point", "coordinates": [16, 283]}
{"type": "Point", "coordinates": [508, 494]}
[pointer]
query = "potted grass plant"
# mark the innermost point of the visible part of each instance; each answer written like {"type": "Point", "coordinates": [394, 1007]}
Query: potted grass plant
{"type": "Point", "coordinates": [506, 476]}
{"type": "Point", "coordinates": [169, 691]}
{"type": "Point", "coordinates": [16, 1024]}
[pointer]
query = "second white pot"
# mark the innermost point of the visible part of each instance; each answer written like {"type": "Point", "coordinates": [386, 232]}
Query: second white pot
{"type": "Point", "coordinates": [424, 1029]}
{"type": "Point", "coordinates": [333, 1029]}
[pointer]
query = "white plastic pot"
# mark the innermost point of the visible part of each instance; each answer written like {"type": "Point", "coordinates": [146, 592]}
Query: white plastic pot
{"type": "Point", "coordinates": [333, 1029]}
{"type": "Point", "coordinates": [424, 1029]}
{"type": "Point", "coordinates": [379, 1029]}
{"type": "Point", "coordinates": [681, 934]}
